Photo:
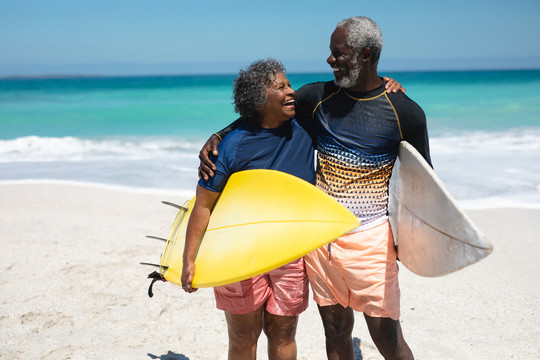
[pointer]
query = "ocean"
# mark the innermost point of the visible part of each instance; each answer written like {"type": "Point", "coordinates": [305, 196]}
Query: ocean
{"type": "Point", "coordinates": [144, 133]}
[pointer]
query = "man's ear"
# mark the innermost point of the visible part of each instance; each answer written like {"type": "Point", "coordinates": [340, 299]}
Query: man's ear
{"type": "Point", "coordinates": [366, 54]}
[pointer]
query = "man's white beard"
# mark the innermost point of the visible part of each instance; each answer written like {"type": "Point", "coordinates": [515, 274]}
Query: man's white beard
{"type": "Point", "coordinates": [351, 78]}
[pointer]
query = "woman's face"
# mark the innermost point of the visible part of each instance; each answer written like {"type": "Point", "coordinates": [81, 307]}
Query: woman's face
{"type": "Point", "coordinates": [279, 106]}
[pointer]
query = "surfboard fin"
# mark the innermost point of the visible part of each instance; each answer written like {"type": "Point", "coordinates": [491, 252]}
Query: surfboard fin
{"type": "Point", "coordinates": [174, 205]}
{"type": "Point", "coordinates": [154, 265]}
{"type": "Point", "coordinates": [156, 238]}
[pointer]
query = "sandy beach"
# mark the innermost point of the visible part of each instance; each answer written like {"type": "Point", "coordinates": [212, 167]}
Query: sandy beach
{"type": "Point", "coordinates": [72, 287]}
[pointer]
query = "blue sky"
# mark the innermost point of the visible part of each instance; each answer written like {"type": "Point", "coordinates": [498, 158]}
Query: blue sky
{"type": "Point", "coordinates": [122, 37]}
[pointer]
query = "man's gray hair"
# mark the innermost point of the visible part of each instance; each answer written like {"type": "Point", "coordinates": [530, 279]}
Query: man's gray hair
{"type": "Point", "coordinates": [250, 87]}
{"type": "Point", "coordinates": [363, 32]}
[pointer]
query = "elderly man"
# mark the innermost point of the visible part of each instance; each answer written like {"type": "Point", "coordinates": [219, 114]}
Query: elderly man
{"type": "Point", "coordinates": [358, 126]}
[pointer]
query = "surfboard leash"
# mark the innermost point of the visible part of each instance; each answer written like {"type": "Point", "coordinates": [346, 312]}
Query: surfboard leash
{"type": "Point", "coordinates": [155, 276]}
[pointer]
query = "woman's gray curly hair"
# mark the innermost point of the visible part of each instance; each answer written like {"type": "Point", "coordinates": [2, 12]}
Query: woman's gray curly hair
{"type": "Point", "coordinates": [250, 87]}
{"type": "Point", "coordinates": [362, 32]}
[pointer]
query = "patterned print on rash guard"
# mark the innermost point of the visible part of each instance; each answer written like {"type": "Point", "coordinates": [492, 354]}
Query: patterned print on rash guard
{"type": "Point", "coordinates": [357, 147]}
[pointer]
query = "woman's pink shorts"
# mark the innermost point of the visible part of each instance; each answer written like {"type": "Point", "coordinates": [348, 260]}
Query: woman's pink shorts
{"type": "Point", "coordinates": [285, 291]}
{"type": "Point", "coordinates": [362, 273]}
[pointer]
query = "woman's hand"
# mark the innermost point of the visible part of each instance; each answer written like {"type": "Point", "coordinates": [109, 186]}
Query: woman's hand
{"type": "Point", "coordinates": [188, 269]}
{"type": "Point", "coordinates": [392, 85]}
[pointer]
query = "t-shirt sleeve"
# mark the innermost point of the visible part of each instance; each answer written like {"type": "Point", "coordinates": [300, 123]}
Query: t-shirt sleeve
{"type": "Point", "coordinates": [229, 128]}
{"type": "Point", "coordinates": [307, 98]}
{"type": "Point", "coordinates": [413, 124]}
{"type": "Point", "coordinates": [225, 165]}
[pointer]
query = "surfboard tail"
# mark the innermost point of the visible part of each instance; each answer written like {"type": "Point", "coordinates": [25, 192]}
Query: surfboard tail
{"type": "Point", "coordinates": [434, 235]}
{"type": "Point", "coordinates": [173, 247]}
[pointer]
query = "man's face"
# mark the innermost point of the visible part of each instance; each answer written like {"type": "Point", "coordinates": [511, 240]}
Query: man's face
{"type": "Point", "coordinates": [342, 60]}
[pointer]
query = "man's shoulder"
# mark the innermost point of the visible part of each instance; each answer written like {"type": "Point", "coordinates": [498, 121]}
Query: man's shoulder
{"type": "Point", "coordinates": [310, 95]}
{"type": "Point", "coordinates": [319, 87]}
{"type": "Point", "coordinates": [401, 98]}
{"type": "Point", "coordinates": [402, 102]}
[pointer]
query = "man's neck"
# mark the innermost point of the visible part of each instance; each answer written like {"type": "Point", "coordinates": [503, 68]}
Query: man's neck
{"type": "Point", "coordinates": [367, 82]}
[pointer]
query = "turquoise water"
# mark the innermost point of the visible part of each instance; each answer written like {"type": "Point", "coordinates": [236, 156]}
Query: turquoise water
{"type": "Point", "coordinates": [145, 132]}
{"type": "Point", "coordinates": [114, 106]}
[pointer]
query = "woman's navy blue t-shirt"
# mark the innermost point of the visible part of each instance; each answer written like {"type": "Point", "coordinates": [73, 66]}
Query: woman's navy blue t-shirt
{"type": "Point", "coordinates": [288, 148]}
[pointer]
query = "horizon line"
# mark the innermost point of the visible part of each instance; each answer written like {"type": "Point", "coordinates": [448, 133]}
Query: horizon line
{"type": "Point", "coordinates": [126, 69]}
{"type": "Point", "coordinates": [135, 75]}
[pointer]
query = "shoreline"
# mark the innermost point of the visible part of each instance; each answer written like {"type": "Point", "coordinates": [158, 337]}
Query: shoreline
{"type": "Point", "coordinates": [94, 185]}
{"type": "Point", "coordinates": [466, 204]}
{"type": "Point", "coordinates": [72, 286]}
{"type": "Point", "coordinates": [323, 72]}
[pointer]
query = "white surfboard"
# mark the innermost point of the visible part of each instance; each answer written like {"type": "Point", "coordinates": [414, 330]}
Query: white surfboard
{"type": "Point", "coordinates": [434, 236]}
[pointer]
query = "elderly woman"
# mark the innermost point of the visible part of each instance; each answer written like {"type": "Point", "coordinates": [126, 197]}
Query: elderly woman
{"type": "Point", "coordinates": [268, 138]}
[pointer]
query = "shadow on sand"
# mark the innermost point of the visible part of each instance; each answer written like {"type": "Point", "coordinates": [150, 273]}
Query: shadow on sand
{"type": "Point", "coordinates": [169, 356]}
{"type": "Point", "coordinates": [357, 351]}
{"type": "Point", "coordinates": [174, 356]}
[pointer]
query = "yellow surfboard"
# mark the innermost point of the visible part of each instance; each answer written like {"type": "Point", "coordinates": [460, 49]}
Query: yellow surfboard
{"type": "Point", "coordinates": [262, 220]}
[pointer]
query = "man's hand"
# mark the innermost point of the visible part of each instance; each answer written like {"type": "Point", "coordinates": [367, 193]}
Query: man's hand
{"type": "Point", "coordinates": [206, 166]}
{"type": "Point", "coordinates": [392, 85]}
